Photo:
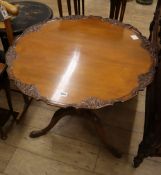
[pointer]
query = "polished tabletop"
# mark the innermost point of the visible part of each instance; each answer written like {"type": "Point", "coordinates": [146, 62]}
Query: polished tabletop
{"type": "Point", "coordinates": [86, 63]}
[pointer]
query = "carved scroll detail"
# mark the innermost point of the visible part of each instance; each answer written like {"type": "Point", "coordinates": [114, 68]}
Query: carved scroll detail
{"type": "Point", "coordinates": [94, 102]}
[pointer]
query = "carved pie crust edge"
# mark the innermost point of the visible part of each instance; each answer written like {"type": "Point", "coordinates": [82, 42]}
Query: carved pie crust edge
{"type": "Point", "coordinates": [91, 102]}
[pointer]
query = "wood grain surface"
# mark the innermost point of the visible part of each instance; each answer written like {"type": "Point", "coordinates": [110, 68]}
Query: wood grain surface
{"type": "Point", "coordinates": [77, 61]}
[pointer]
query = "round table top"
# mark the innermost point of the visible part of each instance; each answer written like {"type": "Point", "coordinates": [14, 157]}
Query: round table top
{"type": "Point", "coordinates": [30, 13]}
{"type": "Point", "coordinates": [84, 62]}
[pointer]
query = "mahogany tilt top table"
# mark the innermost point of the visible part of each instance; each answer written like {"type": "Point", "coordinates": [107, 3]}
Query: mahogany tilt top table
{"type": "Point", "coordinates": [80, 64]}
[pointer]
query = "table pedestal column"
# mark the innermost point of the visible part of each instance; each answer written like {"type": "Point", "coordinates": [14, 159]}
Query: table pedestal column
{"type": "Point", "coordinates": [87, 114]}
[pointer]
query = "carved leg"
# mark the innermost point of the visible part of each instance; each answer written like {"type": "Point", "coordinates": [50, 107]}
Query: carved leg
{"type": "Point", "coordinates": [56, 117]}
{"type": "Point", "coordinates": [101, 132]}
{"type": "Point", "coordinates": [8, 95]}
{"type": "Point", "coordinates": [9, 102]}
{"type": "Point", "coordinates": [81, 112]}
{"type": "Point", "coordinates": [27, 102]}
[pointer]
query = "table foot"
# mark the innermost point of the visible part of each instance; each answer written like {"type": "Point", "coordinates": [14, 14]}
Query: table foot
{"type": "Point", "coordinates": [37, 133]}
{"type": "Point", "coordinates": [137, 161]}
{"type": "Point", "coordinates": [114, 151]}
{"type": "Point", "coordinates": [27, 102]}
{"type": "Point", "coordinates": [9, 101]}
{"type": "Point", "coordinates": [5, 117]}
{"type": "Point", "coordinates": [56, 117]}
{"type": "Point", "coordinates": [87, 114]}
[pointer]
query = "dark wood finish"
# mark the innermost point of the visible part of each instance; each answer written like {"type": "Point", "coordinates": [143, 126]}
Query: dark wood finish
{"type": "Point", "coordinates": [146, 2]}
{"type": "Point", "coordinates": [151, 143]}
{"type": "Point", "coordinates": [117, 9]}
{"type": "Point", "coordinates": [5, 114]}
{"type": "Point", "coordinates": [83, 7]}
{"type": "Point", "coordinates": [5, 84]}
{"type": "Point", "coordinates": [123, 8]}
{"type": "Point", "coordinates": [77, 4]}
{"type": "Point", "coordinates": [60, 7]}
{"type": "Point", "coordinates": [69, 7]}
{"type": "Point", "coordinates": [27, 102]}
{"type": "Point", "coordinates": [75, 7]}
{"type": "Point", "coordinates": [86, 114]}
{"type": "Point", "coordinates": [4, 117]}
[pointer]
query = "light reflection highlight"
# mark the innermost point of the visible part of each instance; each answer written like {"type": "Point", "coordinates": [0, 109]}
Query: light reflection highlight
{"type": "Point", "coordinates": [62, 85]}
